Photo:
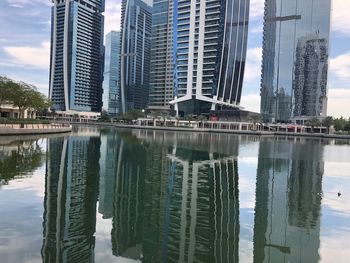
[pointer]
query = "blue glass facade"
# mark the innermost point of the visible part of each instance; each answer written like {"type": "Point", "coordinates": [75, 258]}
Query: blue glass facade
{"type": "Point", "coordinates": [211, 45]}
{"type": "Point", "coordinates": [295, 59]}
{"type": "Point", "coordinates": [136, 27]}
{"type": "Point", "coordinates": [111, 80]}
{"type": "Point", "coordinates": [77, 55]}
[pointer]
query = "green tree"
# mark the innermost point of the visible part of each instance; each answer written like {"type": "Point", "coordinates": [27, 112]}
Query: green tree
{"type": "Point", "coordinates": [6, 86]}
{"type": "Point", "coordinates": [105, 117]}
{"type": "Point", "coordinates": [22, 95]}
{"type": "Point", "coordinates": [339, 124]}
{"type": "Point", "coordinates": [313, 122]}
{"type": "Point", "coordinates": [347, 125]}
{"type": "Point", "coordinates": [255, 119]}
{"type": "Point", "coordinates": [328, 122]}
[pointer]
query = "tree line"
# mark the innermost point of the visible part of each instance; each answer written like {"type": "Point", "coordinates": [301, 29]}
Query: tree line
{"type": "Point", "coordinates": [22, 95]}
{"type": "Point", "coordinates": [340, 124]}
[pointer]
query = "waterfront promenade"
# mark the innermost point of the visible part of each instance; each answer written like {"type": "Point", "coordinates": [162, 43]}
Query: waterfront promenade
{"type": "Point", "coordinates": [245, 128]}
{"type": "Point", "coordinates": [228, 131]}
{"type": "Point", "coordinates": [27, 129]}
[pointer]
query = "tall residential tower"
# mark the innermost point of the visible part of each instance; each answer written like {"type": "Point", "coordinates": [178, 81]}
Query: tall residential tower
{"type": "Point", "coordinates": [210, 44]}
{"type": "Point", "coordinates": [76, 55]}
{"type": "Point", "coordinates": [162, 62]}
{"type": "Point", "coordinates": [295, 59]}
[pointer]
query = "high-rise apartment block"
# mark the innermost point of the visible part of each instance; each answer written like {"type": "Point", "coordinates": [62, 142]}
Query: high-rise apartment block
{"type": "Point", "coordinates": [210, 43]}
{"type": "Point", "coordinates": [136, 26]}
{"type": "Point", "coordinates": [162, 59]}
{"type": "Point", "coordinates": [76, 55]}
{"type": "Point", "coordinates": [295, 59]}
{"type": "Point", "coordinates": [111, 77]}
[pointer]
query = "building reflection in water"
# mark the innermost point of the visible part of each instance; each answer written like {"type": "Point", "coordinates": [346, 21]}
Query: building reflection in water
{"type": "Point", "coordinates": [288, 201]}
{"type": "Point", "coordinates": [174, 197]}
{"type": "Point", "coordinates": [110, 147]}
{"type": "Point", "coordinates": [128, 204]}
{"type": "Point", "coordinates": [71, 191]}
{"type": "Point", "coordinates": [174, 203]}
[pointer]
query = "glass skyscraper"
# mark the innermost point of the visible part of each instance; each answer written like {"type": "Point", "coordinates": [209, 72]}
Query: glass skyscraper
{"type": "Point", "coordinates": [162, 68]}
{"type": "Point", "coordinates": [111, 82]}
{"type": "Point", "coordinates": [210, 43]}
{"type": "Point", "coordinates": [295, 59]}
{"type": "Point", "coordinates": [76, 55]}
{"type": "Point", "coordinates": [136, 26]}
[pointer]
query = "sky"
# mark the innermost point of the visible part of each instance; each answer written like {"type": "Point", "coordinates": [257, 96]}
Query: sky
{"type": "Point", "coordinates": [25, 48]}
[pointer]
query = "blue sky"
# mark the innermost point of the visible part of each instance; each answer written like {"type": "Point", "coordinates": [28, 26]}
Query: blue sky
{"type": "Point", "coordinates": [25, 36]}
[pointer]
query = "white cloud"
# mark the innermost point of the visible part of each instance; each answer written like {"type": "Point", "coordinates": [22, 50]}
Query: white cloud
{"type": "Point", "coordinates": [338, 102]}
{"type": "Point", "coordinates": [340, 17]}
{"type": "Point", "coordinates": [112, 16]}
{"type": "Point", "coordinates": [257, 29]}
{"type": "Point", "coordinates": [23, 3]}
{"type": "Point", "coordinates": [340, 67]}
{"type": "Point", "coordinates": [256, 9]}
{"type": "Point", "coordinates": [39, 80]}
{"type": "Point", "coordinates": [253, 65]}
{"type": "Point", "coordinates": [31, 56]}
{"type": "Point", "coordinates": [251, 102]}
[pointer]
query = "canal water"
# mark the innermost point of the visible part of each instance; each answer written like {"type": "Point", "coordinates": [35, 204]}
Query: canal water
{"type": "Point", "coordinates": [106, 195]}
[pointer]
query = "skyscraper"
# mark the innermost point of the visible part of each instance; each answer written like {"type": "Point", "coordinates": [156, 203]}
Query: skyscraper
{"type": "Point", "coordinates": [111, 79]}
{"type": "Point", "coordinates": [210, 43]}
{"type": "Point", "coordinates": [76, 55]}
{"type": "Point", "coordinates": [162, 67]}
{"type": "Point", "coordinates": [136, 26]}
{"type": "Point", "coordinates": [295, 59]}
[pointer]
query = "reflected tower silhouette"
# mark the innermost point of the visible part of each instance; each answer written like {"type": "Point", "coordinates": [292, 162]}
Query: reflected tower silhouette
{"type": "Point", "coordinates": [110, 143]}
{"type": "Point", "coordinates": [288, 201]}
{"type": "Point", "coordinates": [204, 209]}
{"type": "Point", "coordinates": [71, 190]}
{"type": "Point", "coordinates": [174, 203]}
{"type": "Point", "coordinates": [128, 204]}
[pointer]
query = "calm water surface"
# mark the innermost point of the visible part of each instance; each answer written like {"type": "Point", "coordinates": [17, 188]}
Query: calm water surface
{"type": "Point", "coordinates": [104, 195]}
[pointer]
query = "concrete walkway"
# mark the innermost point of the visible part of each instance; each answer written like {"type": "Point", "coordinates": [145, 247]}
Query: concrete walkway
{"type": "Point", "coordinates": [249, 132]}
{"type": "Point", "coordinates": [17, 129]}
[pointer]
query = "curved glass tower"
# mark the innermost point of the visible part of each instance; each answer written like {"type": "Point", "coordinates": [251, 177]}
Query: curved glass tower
{"type": "Point", "coordinates": [295, 59]}
{"type": "Point", "coordinates": [76, 55]}
{"type": "Point", "coordinates": [135, 54]}
{"type": "Point", "coordinates": [210, 44]}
